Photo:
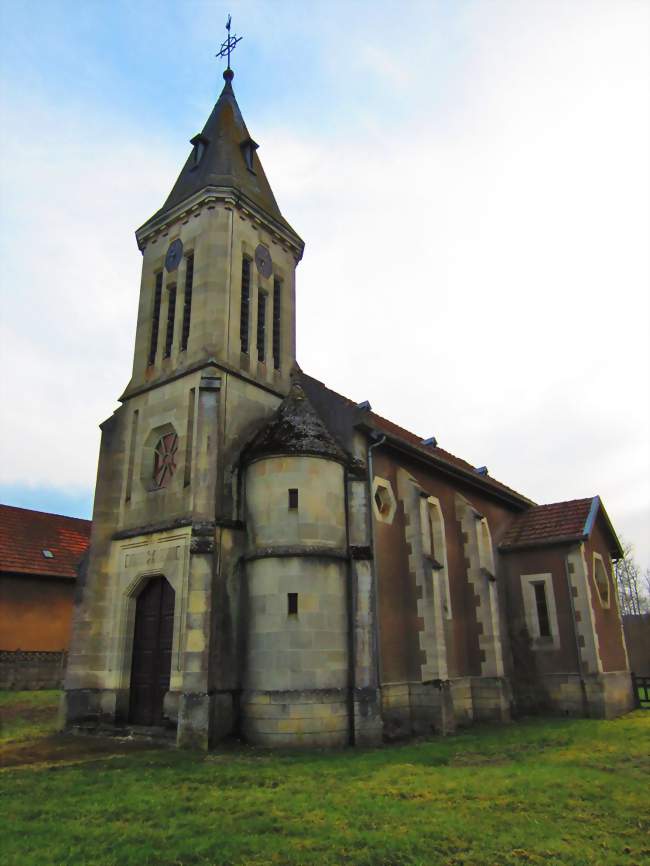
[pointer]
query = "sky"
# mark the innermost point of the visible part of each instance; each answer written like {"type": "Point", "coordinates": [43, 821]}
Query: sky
{"type": "Point", "coordinates": [470, 179]}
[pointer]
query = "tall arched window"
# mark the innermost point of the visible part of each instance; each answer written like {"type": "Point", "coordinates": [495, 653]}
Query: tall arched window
{"type": "Point", "coordinates": [434, 546]}
{"type": "Point", "coordinates": [485, 551]}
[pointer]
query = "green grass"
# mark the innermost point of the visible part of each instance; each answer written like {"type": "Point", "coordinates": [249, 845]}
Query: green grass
{"type": "Point", "coordinates": [27, 715]}
{"type": "Point", "coordinates": [544, 791]}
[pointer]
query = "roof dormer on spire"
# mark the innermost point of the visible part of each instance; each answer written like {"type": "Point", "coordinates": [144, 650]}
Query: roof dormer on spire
{"type": "Point", "coordinates": [224, 155]}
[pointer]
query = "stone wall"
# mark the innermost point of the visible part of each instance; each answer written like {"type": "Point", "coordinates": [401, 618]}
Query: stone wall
{"type": "Point", "coordinates": [637, 638]}
{"type": "Point", "coordinates": [293, 718]}
{"type": "Point", "coordinates": [21, 669]}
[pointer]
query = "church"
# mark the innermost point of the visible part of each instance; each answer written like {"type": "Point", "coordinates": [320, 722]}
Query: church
{"type": "Point", "coordinates": [273, 561]}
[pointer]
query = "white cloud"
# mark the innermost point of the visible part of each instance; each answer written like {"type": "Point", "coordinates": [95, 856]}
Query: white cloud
{"type": "Point", "coordinates": [486, 279]}
{"type": "Point", "coordinates": [70, 283]}
{"type": "Point", "coordinates": [476, 260]}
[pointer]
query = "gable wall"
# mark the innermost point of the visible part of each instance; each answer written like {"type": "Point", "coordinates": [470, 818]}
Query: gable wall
{"type": "Point", "coordinates": [607, 620]}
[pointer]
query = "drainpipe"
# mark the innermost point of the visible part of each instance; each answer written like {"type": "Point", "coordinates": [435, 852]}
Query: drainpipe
{"type": "Point", "coordinates": [375, 591]}
{"type": "Point", "coordinates": [351, 601]}
{"type": "Point", "coordinates": [574, 628]}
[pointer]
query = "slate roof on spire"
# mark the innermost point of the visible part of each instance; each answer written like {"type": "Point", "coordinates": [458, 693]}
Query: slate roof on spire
{"type": "Point", "coordinates": [225, 139]}
{"type": "Point", "coordinates": [296, 428]}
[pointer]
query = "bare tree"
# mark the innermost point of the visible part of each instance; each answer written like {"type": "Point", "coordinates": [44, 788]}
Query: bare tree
{"type": "Point", "coordinates": [633, 587]}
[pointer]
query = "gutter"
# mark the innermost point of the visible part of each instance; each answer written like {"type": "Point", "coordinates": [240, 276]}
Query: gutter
{"type": "Point", "coordinates": [351, 603]}
{"type": "Point", "coordinates": [596, 508]}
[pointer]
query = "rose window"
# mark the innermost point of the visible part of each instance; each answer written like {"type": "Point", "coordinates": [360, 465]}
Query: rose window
{"type": "Point", "coordinates": [164, 461]}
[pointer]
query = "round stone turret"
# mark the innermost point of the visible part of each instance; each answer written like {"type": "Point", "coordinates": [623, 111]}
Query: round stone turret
{"type": "Point", "coordinates": [295, 685]}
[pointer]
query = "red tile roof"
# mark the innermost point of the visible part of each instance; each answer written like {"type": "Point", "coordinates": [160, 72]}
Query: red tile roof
{"type": "Point", "coordinates": [25, 534]}
{"type": "Point", "coordinates": [436, 452]}
{"type": "Point", "coordinates": [544, 524]}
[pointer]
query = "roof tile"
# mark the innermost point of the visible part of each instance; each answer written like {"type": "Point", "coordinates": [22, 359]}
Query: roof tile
{"type": "Point", "coordinates": [25, 534]}
{"type": "Point", "coordinates": [547, 523]}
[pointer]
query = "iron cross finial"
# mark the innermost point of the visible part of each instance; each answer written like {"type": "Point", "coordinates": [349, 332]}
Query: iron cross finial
{"type": "Point", "coordinates": [229, 43]}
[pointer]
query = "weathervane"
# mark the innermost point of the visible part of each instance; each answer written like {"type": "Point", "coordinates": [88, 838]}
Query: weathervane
{"type": "Point", "coordinates": [229, 43]}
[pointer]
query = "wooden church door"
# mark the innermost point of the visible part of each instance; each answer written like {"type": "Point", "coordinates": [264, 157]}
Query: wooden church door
{"type": "Point", "coordinates": [152, 652]}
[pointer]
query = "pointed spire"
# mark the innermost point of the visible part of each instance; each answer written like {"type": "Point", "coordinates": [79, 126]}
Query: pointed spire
{"type": "Point", "coordinates": [296, 428]}
{"type": "Point", "coordinates": [224, 155]}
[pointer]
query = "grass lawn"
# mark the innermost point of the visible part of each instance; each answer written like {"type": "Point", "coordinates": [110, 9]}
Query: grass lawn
{"type": "Point", "coordinates": [544, 791]}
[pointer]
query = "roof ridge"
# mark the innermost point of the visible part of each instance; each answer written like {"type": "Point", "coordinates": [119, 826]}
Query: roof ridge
{"type": "Point", "coordinates": [451, 459]}
{"type": "Point", "coordinates": [45, 513]}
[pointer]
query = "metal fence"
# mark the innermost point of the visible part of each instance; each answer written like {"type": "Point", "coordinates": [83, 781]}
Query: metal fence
{"type": "Point", "coordinates": [641, 687]}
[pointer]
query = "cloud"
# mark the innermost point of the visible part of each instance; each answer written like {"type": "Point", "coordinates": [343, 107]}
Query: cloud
{"type": "Point", "coordinates": [475, 207]}
{"type": "Point", "coordinates": [70, 283]}
{"type": "Point", "coordinates": [486, 279]}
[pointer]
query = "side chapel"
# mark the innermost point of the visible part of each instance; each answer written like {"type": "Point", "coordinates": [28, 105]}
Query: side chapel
{"type": "Point", "coordinates": [273, 560]}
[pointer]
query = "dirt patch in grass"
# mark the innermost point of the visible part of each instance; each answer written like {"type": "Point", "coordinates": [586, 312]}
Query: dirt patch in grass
{"type": "Point", "coordinates": [28, 713]}
{"type": "Point", "coordinates": [64, 749]}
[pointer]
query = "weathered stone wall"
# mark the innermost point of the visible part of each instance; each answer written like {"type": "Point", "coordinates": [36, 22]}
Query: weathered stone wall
{"type": "Point", "coordinates": [218, 233]}
{"type": "Point", "coordinates": [296, 718]}
{"type": "Point", "coordinates": [600, 696]}
{"type": "Point", "coordinates": [303, 654]}
{"type": "Point", "coordinates": [22, 669]}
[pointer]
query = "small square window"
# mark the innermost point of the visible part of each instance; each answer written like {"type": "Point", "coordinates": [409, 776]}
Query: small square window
{"type": "Point", "coordinates": [292, 603]}
{"type": "Point", "coordinates": [293, 497]}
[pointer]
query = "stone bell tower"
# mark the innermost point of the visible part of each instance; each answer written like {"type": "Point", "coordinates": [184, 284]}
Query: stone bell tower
{"type": "Point", "coordinates": [156, 636]}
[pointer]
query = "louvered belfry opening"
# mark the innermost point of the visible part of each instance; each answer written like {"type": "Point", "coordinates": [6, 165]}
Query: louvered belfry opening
{"type": "Point", "coordinates": [187, 301]}
{"type": "Point", "coordinates": [155, 318]}
{"type": "Point", "coordinates": [277, 312]}
{"type": "Point", "coordinates": [152, 652]}
{"type": "Point", "coordinates": [245, 302]}
{"type": "Point", "coordinates": [261, 327]}
{"type": "Point", "coordinates": [171, 316]}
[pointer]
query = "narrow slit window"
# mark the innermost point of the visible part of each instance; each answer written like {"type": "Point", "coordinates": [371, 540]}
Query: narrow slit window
{"type": "Point", "coordinates": [432, 533]}
{"type": "Point", "coordinates": [245, 303]}
{"type": "Point", "coordinates": [542, 610]}
{"type": "Point", "coordinates": [292, 603]}
{"type": "Point", "coordinates": [171, 315]}
{"type": "Point", "coordinates": [261, 327]}
{"type": "Point", "coordinates": [187, 300]}
{"type": "Point", "coordinates": [155, 318]}
{"type": "Point", "coordinates": [277, 311]}
{"type": "Point", "coordinates": [293, 497]}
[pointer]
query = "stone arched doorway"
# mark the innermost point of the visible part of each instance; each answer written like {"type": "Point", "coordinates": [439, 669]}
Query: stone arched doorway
{"type": "Point", "coordinates": [152, 652]}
